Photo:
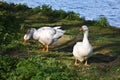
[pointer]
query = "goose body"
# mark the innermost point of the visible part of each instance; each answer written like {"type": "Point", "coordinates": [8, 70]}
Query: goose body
{"type": "Point", "coordinates": [82, 50]}
{"type": "Point", "coordinates": [45, 35]}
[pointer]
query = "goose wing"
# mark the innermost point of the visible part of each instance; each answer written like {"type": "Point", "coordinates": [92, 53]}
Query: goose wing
{"type": "Point", "coordinates": [59, 32]}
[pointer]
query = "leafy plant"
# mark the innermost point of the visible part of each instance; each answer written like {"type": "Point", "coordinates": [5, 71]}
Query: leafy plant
{"type": "Point", "coordinates": [8, 27]}
{"type": "Point", "coordinates": [59, 14]}
{"type": "Point", "coordinates": [37, 67]}
{"type": "Point", "coordinates": [46, 10]}
{"type": "Point", "coordinates": [72, 16]}
{"type": "Point", "coordinates": [102, 22]}
{"type": "Point", "coordinates": [7, 65]}
{"type": "Point", "coordinates": [36, 10]}
{"type": "Point", "coordinates": [21, 7]}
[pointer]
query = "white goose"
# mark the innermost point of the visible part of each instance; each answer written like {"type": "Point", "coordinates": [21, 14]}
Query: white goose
{"type": "Point", "coordinates": [82, 50]}
{"type": "Point", "coordinates": [45, 35]}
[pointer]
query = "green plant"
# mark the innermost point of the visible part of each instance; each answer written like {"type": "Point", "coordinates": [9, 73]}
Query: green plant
{"type": "Point", "coordinates": [102, 22]}
{"type": "Point", "coordinates": [46, 10]}
{"type": "Point", "coordinates": [36, 10]}
{"type": "Point", "coordinates": [8, 27]}
{"type": "Point", "coordinates": [7, 65]}
{"type": "Point", "coordinates": [72, 16]}
{"type": "Point", "coordinates": [59, 14]}
{"type": "Point", "coordinates": [21, 7]}
{"type": "Point", "coordinates": [38, 67]}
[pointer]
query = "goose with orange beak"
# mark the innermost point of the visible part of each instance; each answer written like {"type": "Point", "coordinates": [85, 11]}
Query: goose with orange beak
{"type": "Point", "coordinates": [82, 50]}
{"type": "Point", "coordinates": [45, 35]}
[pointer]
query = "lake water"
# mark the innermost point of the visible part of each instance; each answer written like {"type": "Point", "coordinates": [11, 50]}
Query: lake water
{"type": "Point", "coordinates": [90, 9]}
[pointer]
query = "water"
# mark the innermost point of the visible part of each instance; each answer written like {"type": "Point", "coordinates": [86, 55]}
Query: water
{"type": "Point", "coordinates": [90, 9]}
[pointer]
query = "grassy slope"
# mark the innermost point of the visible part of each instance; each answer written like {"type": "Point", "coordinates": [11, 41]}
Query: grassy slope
{"type": "Point", "coordinates": [104, 64]}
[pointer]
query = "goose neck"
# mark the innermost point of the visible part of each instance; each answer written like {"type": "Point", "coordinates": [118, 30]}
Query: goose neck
{"type": "Point", "coordinates": [85, 38]}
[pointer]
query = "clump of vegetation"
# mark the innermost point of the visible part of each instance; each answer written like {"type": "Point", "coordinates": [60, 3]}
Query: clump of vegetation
{"type": "Point", "coordinates": [72, 16]}
{"type": "Point", "coordinates": [7, 65]}
{"type": "Point", "coordinates": [13, 7]}
{"type": "Point", "coordinates": [34, 68]}
{"type": "Point", "coordinates": [9, 27]}
{"type": "Point", "coordinates": [37, 67]}
{"type": "Point", "coordinates": [56, 15]}
{"type": "Point", "coordinates": [102, 21]}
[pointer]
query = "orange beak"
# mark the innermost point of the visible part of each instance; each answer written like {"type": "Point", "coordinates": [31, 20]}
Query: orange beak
{"type": "Point", "coordinates": [81, 29]}
{"type": "Point", "coordinates": [25, 41]}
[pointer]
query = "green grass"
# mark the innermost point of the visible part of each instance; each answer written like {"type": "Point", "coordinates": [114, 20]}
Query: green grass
{"type": "Point", "coordinates": [59, 63]}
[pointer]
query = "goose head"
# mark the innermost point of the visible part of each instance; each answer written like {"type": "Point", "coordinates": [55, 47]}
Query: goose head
{"type": "Point", "coordinates": [29, 34]}
{"type": "Point", "coordinates": [84, 28]}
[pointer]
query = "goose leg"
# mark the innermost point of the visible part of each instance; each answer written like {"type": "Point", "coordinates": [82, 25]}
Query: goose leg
{"type": "Point", "coordinates": [43, 49]}
{"type": "Point", "coordinates": [47, 48]}
{"type": "Point", "coordinates": [76, 62]}
{"type": "Point", "coordinates": [86, 63]}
